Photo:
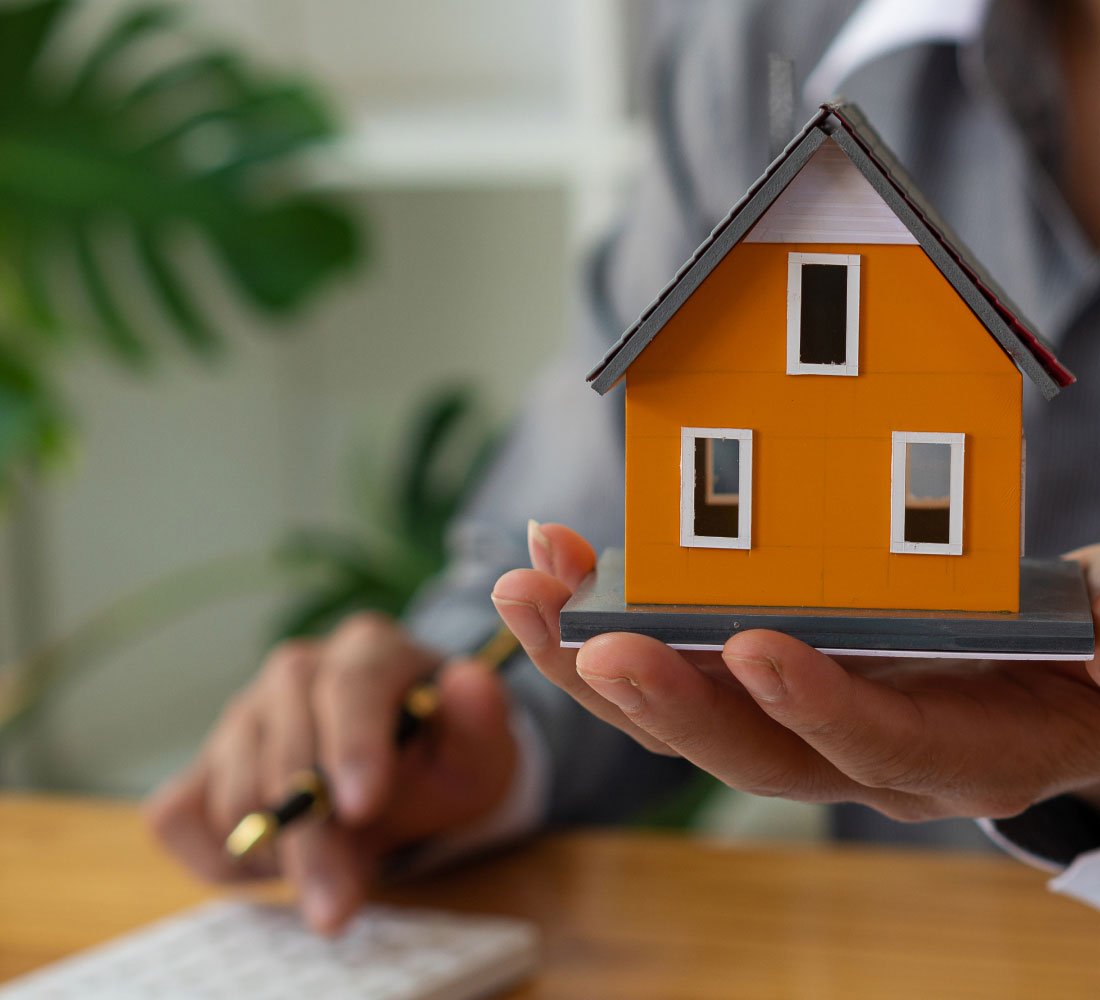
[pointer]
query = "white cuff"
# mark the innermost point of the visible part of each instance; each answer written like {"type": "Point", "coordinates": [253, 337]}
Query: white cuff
{"type": "Point", "coordinates": [1081, 880]}
{"type": "Point", "coordinates": [520, 813]}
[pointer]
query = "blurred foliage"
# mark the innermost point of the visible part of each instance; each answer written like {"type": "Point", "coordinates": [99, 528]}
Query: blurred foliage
{"type": "Point", "coordinates": [113, 152]}
{"type": "Point", "coordinates": [380, 564]}
{"type": "Point", "coordinates": [406, 512]}
{"type": "Point", "coordinates": [682, 809]}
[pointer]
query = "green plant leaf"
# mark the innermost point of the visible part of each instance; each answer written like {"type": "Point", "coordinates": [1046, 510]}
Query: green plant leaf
{"type": "Point", "coordinates": [312, 548]}
{"type": "Point", "coordinates": [254, 250]}
{"type": "Point", "coordinates": [441, 417]}
{"type": "Point", "coordinates": [131, 27]}
{"type": "Point", "coordinates": [31, 422]}
{"type": "Point", "coordinates": [105, 142]}
{"type": "Point", "coordinates": [274, 124]}
{"type": "Point", "coordinates": [29, 255]}
{"type": "Point", "coordinates": [119, 336]}
{"type": "Point", "coordinates": [318, 611]}
{"type": "Point", "coordinates": [25, 30]}
{"type": "Point", "coordinates": [104, 160]}
{"type": "Point", "coordinates": [221, 70]}
{"type": "Point", "coordinates": [177, 302]}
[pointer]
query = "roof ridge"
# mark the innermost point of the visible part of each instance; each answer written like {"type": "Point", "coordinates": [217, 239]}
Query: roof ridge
{"type": "Point", "coordinates": [860, 142]}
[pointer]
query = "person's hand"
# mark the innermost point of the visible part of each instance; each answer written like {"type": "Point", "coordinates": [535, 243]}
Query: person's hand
{"type": "Point", "coordinates": [916, 740]}
{"type": "Point", "coordinates": [334, 703]}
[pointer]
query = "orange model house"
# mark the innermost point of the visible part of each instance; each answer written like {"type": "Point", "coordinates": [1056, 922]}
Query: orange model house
{"type": "Point", "coordinates": [824, 408]}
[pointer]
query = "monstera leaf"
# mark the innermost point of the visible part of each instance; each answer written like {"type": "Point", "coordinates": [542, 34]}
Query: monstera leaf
{"type": "Point", "coordinates": [112, 158]}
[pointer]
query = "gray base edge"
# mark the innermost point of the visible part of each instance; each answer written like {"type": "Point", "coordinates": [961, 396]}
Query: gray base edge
{"type": "Point", "coordinates": [1054, 621]}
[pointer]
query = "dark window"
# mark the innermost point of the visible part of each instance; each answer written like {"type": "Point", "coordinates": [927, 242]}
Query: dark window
{"type": "Point", "coordinates": [824, 317]}
{"type": "Point", "coordinates": [928, 493]}
{"type": "Point", "coordinates": [717, 487]}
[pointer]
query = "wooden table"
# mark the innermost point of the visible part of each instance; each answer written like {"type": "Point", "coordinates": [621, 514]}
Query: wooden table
{"type": "Point", "coordinates": [625, 916]}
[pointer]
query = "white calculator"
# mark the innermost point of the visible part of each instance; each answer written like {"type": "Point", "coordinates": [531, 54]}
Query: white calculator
{"type": "Point", "coordinates": [249, 951]}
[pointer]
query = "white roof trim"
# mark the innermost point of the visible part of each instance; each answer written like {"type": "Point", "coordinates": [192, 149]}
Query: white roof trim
{"type": "Point", "coordinates": [878, 27]}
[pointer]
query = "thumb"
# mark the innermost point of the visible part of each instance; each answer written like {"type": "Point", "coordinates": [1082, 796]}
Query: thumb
{"type": "Point", "coordinates": [560, 552]}
{"type": "Point", "coordinates": [464, 766]}
{"type": "Point", "coordinates": [1089, 560]}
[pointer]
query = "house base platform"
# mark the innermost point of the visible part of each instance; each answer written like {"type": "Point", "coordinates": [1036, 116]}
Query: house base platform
{"type": "Point", "coordinates": [1054, 621]}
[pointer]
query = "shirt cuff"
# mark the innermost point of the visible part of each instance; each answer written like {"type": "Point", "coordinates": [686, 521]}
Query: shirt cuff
{"type": "Point", "coordinates": [1060, 835]}
{"type": "Point", "coordinates": [521, 812]}
{"type": "Point", "coordinates": [1081, 880]}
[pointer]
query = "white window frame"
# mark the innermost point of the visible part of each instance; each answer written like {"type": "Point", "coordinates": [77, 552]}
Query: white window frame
{"type": "Point", "coordinates": [954, 547]}
{"type": "Point", "coordinates": [794, 314]}
{"type": "Point", "coordinates": [688, 538]}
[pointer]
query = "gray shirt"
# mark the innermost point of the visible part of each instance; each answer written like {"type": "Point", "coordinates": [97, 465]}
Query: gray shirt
{"type": "Point", "coordinates": [974, 118]}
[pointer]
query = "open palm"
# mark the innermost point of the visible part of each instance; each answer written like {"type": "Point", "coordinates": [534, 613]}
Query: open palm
{"type": "Point", "coordinates": [915, 739]}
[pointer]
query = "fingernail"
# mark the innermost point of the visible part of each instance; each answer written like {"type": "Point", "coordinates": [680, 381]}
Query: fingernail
{"type": "Point", "coordinates": [354, 787]}
{"type": "Point", "coordinates": [321, 906]}
{"type": "Point", "coordinates": [525, 621]}
{"type": "Point", "coordinates": [761, 676]}
{"type": "Point", "coordinates": [538, 545]}
{"type": "Point", "coordinates": [623, 692]}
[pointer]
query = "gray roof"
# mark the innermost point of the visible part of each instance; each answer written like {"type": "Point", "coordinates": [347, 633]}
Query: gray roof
{"type": "Point", "coordinates": [851, 131]}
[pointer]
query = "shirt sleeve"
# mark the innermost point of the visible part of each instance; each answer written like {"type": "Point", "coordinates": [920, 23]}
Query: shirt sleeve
{"type": "Point", "coordinates": [1060, 835]}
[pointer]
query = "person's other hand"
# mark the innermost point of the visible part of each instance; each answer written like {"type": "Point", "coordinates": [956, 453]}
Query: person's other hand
{"type": "Point", "coordinates": [335, 702]}
{"type": "Point", "coordinates": [916, 739]}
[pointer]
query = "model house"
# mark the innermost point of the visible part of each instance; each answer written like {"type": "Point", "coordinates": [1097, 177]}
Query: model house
{"type": "Point", "coordinates": [824, 408]}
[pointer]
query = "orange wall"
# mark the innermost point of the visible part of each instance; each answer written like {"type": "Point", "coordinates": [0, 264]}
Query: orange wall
{"type": "Point", "coordinates": [821, 443]}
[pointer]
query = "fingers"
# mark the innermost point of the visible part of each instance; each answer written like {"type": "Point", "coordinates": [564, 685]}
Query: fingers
{"type": "Point", "coordinates": [530, 602]}
{"type": "Point", "coordinates": [330, 868]}
{"type": "Point", "coordinates": [708, 721]}
{"type": "Point", "coordinates": [463, 767]}
{"type": "Point", "coordinates": [1089, 559]}
{"type": "Point", "coordinates": [233, 760]}
{"type": "Point", "coordinates": [289, 739]}
{"type": "Point", "coordinates": [560, 552]}
{"type": "Point", "coordinates": [332, 702]}
{"type": "Point", "coordinates": [177, 815]}
{"type": "Point", "coordinates": [458, 771]}
{"type": "Point", "coordinates": [315, 857]}
{"type": "Point", "coordinates": [368, 667]}
{"type": "Point", "coordinates": [871, 732]}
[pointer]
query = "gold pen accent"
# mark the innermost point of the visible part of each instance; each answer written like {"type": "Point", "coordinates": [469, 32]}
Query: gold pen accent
{"type": "Point", "coordinates": [309, 795]}
{"type": "Point", "coordinates": [422, 702]}
{"type": "Point", "coordinates": [255, 829]}
{"type": "Point", "coordinates": [500, 646]}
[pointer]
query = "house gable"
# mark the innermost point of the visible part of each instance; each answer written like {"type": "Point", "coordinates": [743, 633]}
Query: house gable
{"type": "Point", "coordinates": [829, 201]}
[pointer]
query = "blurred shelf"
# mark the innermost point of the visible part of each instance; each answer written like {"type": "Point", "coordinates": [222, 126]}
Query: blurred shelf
{"type": "Point", "coordinates": [476, 146]}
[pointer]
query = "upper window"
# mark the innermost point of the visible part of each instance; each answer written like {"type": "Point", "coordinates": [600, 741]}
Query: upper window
{"type": "Point", "coordinates": [822, 314]}
{"type": "Point", "coordinates": [715, 487]}
{"type": "Point", "coordinates": [926, 502]}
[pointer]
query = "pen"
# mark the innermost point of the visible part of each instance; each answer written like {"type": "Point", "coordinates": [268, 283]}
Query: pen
{"type": "Point", "coordinates": [309, 793]}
